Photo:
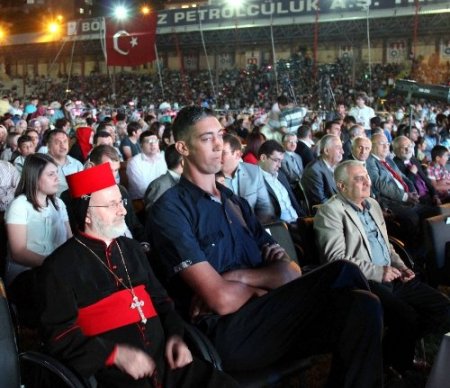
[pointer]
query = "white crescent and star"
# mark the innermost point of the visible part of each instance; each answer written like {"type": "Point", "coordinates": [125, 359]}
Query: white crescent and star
{"type": "Point", "coordinates": [117, 35]}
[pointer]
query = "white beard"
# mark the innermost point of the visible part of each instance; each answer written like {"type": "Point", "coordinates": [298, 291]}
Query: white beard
{"type": "Point", "coordinates": [108, 231]}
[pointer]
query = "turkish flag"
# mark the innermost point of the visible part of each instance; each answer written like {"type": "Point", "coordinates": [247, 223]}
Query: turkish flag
{"type": "Point", "coordinates": [131, 42]}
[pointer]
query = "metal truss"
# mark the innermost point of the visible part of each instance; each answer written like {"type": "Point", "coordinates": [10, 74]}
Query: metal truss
{"type": "Point", "coordinates": [232, 40]}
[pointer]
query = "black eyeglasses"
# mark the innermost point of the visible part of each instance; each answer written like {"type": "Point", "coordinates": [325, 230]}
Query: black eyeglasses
{"type": "Point", "coordinates": [115, 205]}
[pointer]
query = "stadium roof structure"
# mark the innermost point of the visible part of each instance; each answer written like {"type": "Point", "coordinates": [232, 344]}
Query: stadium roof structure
{"type": "Point", "coordinates": [292, 23]}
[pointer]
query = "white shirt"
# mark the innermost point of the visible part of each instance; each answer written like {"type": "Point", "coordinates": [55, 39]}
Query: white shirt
{"type": "Point", "coordinates": [362, 115]}
{"type": "Point", "coordinates": [142, 170]}
{"type": "Point", "coordinates": [71, 166]}
{"type": "Point", "coordinates": [46, 229]}
{"type": "Point", "coordinates": [9, 178]}
{"type": "Point", "coordinates": [288, 213]}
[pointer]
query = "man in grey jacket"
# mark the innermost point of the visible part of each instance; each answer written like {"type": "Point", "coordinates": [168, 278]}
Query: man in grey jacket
{"type": "Point", "coordinates": [245, 179]}
{"type": "Point", "coordinates": [350, 226]}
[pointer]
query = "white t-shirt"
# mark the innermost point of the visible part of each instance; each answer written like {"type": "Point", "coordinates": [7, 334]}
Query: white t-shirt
{"type": "Point", "coordinates": [362, 115]}
{"type": "Point", "coordinates": [46, 229]}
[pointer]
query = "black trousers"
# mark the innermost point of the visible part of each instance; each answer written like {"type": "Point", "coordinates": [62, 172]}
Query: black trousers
{"type": "Point", "coordinates": [411, 310]}
{"type": "Point", "coordinates": [329, 309]}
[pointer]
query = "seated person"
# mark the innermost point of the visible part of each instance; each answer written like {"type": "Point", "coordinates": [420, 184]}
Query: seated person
{"type": "Point", "coordinates": [103, 311]}
{"type": "Point", "coordinates": [317, 178]}
{"type": "Point", "coordinates": [231, 278]}
{"type": "Point", "coordinates": [394, 191]}
{"type": "Point", "coordinates": [350, 226]}
{"type": "Point", "coordinates": [36, 223]}
{"type": "Point", "coordinates": [361, 147]}
{"type": "Point", "coordinates": [438, 173]}
{"type": "Point", "coordinates": [245, 179]}
{"type": "Point", "coordinates": [25, 147]}
{"type": "Point", "coordinates": [292, 164]}
{"type": "Point", "coordinates": [407, 163]}
{"type": "Point", "coordinates": [163, 183]}
{"type": "Point", "coordinates": [9, 179]}
{"type": "Point", "coordinates": [146, 166]}
{"type": "Point", "coordinates": [285, 205]}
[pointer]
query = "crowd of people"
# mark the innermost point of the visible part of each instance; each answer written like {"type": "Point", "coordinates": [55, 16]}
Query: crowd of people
{"type": "Point", "coordinates": [88, 191]}
{"type": "Point", "coordinates": [252, 87]}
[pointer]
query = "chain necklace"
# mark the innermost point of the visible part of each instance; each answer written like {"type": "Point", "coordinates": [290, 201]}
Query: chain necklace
{"type": "Point", "coordinates": [137, 303]}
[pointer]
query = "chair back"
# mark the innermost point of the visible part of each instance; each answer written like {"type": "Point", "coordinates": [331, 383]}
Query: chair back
{"type": "Point", "coordinates": [439, 373]}
{"type": "Point", "coordinates": [437, 240]}
{"type": "Point", "coordinates": [303, 199]}
{"type": "Point", "coordinates": [9, 360]}
{"type": "Point", "coordinates": [280, 232]}
{"type": "Point", "coordinates": [311, 257]}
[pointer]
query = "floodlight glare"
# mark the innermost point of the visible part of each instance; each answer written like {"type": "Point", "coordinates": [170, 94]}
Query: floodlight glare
{"type": "Point", "coordinates": [145, 10]}
{"type": "Point", "coordinates": [53, 28]}
{"type": "Point", "coordinates": [120, 12]}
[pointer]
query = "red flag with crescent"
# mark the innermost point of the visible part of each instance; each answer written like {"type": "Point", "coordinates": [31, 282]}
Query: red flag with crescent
{"type": "Point", "coordinates": [131, 42]}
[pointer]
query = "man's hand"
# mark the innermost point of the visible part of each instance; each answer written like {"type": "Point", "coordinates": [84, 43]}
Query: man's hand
{"type": "Point", "coordinates": [274, 252]}
{"type": "Point", "coordinates": [390, 273]}
{"type": "Point", "coordinates": [437, 201]}
{"type": "Point", "coordinates": [135, 362]}
{"type": "Point", "coordinates": [178, 354]}
{"type": "Point", "coordinates": [198, 307]}
{"type": "Point", "coordinates": [413, 168]}
{"type": "Point", "coordinates": [413, 198]}
{"type": "Point", "coordinates": [407, 275]}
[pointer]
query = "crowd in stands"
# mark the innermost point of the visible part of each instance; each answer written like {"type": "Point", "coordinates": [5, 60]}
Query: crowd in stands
{"type": "Point", "coordinates": [351, 165]}
{"type": "Point", "coordinates": [252, 87]}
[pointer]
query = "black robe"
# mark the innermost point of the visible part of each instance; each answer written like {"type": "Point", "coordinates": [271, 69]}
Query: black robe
{"type": "Point", "coordinates": [74, 285]}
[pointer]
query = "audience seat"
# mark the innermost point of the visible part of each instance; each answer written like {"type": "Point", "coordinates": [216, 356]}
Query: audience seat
{"type": "Point", "coordinates": [437, 240]}
{"type": "Point", "coordinates": [28, 369]}
{"type": "Point", "coordinates": [280, 232]}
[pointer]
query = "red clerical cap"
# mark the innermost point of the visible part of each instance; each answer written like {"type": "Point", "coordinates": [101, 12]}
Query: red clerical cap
{"type": "Point", "coordinates": [88, 181]}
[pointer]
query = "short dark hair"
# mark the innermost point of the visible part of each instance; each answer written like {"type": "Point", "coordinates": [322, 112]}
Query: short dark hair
{"type": "Point", "coordinates": [270, 146]}
{"type": "Point", "coordinates": [23, 139]}
{"type": "Point", "coordinates": [303, 131]}
{"type": "Point", "coordinates": [329, 124]}
{"type": "Point", "coordinates": [438, 150]}
{"type": "Point", "coordinates": [349, 119]}
{"type": "Point", "coordinates": [60, 123]}
{"type": "Point", "coordinates": [233, 141]}
{"type": "Point", "coordinates": [186, 118]}
{"type": "Point", "coordinates": [101, 134]}
{"type": "Point", "coordinates": [132, 127]}
{"type": "Point", "coordinates": [282, 100]}
{"type": "Point", "coordinates": [31, 172]}
{"type": "Point", "coordinates": [147, 133]}
{"type": "Point", "coordinates": [172, 156]}
{"type": "Point", "coordinates": [376, 120]}
{"type": "Point", "coordinates": [103, 150]}
{"type": "Point", "coordinates": [53, 133]}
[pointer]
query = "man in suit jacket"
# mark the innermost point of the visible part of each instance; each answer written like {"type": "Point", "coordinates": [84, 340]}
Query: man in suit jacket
{"type": "Point", "coordinates": [270, 156]}
{"type": "Point", "coordinates": [163, 183]}
{"type": "Point", "coordinates": [304, 145]}
{"type": "Point", "coordinates": [412, 169]}
{"type": "Point", "coordinates": [396, 192]}
{"type": "Point", "coordinates": [245, 179]}
{"type": "Point", "coordinates": [317, 178]}
{"type": "Point", "coordinates": [350, 226]}
{"type": "Point", "coordinates": [292, 164]}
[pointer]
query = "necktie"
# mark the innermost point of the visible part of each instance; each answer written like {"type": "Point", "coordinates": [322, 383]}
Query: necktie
{"type": "Point", "coordinates": [395, 175]}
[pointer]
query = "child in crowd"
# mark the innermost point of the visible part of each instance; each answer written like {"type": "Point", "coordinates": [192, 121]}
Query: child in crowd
{"type": "Point", "coordinates": [438, 173]}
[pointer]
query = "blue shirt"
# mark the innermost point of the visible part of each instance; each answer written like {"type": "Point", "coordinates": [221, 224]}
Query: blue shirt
{"type": "Point", "coordinates": [187, 226]}
{"type": "Point", "coordinates": [378, 247]}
